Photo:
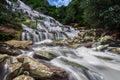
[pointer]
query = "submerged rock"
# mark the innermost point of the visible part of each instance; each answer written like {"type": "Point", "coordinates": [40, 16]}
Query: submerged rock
{"type": "Point", "coordinates": [23, 77]}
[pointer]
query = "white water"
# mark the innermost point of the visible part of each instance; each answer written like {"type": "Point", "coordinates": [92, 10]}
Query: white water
{"type": "Point", "coordinates": [98, 69]}
{"type": "Point", "coordinates": [94, 67]}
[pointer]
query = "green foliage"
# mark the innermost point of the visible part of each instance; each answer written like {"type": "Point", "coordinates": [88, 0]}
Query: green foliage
{"type": "Point", "coordinates": [17, 36]}
{"type": "Point", "coordinates": [111, 17]}
{"type": "Point", "coordinates": [102, 13]}
{"type": "Point", "coordinates": [5, 37]}
{"type": "Point", "coordinates": [6, 16]}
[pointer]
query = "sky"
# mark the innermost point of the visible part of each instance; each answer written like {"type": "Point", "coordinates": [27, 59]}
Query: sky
{"type": "Point", "coordinates": [59, 3]}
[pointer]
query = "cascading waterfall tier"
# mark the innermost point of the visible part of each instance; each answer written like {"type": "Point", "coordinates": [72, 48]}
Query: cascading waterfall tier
{"type": "Point", "coordinates": [46, 27]}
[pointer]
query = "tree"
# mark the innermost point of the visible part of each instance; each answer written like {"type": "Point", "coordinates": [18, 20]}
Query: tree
{"type": "Point", "coordinates": [102, 13]}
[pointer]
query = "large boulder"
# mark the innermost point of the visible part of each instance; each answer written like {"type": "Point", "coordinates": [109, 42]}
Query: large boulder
{"type": "Point", "coordinates": [40, 70]}
{"type": "Point", "coordinates": [35, 68]}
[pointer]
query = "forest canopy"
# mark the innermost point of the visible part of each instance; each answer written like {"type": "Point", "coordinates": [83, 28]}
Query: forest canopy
{"type": "Point", "coordinates": [91, 13]}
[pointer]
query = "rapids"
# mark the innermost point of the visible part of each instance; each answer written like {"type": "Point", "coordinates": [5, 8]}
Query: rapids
{"type": "Point", "coordinates": [85, 64]}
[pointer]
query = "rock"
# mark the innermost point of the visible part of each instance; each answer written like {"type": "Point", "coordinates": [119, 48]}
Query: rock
{"type": "Point", "coordinates": [14, 70]}
{"type": "Point", "coordinates": [103, 47]}
{"type": "Point", "coordinates": [76, 40]}
{"type": "Point", "coordinates": [7, 49]}
{"type": "Point", "coordinates": [8, 30]}
{"type": "Point", "coordinates": [87, 44]}
{"type": "Point", "coordinates": [59, 43]}
{"type": "Point", "coordinates": [43, 55]}
{"type": "Point", "coordinates": [3, 57]}
{"type": "Point", "coordinates": [23, 77]}
{"type": "Point", "coordinates": [69, 41]}
{"type": "Point", "coordinates": [105, 39]}
{"type": "Point", "coordinates": [37, 68]}
{"type": "Point", "coordinates": [88, 39]}
{"type": "Point", "coordinates": [81, 34]}
{"type": "Point", "coordinates": [40, 70]}
{"type": "Point", "coordinates": [116, 50]}
{"type": "Point", "coordinates": [19, 44]}
{"type": "Point", "coordinates": [75, 45]}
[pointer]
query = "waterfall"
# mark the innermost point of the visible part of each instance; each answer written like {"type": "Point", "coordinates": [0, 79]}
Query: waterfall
{"type": "Point", "coordinates": [46, 28]}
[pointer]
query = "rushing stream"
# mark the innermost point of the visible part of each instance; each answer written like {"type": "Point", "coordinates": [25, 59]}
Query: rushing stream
{"type": "Point", "coordinates": [85, 64]}
{"type": "Point", "coordinates": [81, 63]}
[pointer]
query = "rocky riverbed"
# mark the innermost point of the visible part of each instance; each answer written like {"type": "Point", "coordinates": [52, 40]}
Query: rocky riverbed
{"type": "Point", "coordinates": [21, 67]}
{"type": "Point", "coordinates": [20, 61]}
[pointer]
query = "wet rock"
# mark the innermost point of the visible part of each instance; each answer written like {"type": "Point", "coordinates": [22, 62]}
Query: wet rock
{"type": "Point", "coordinates": [10, 50]}
{"type": "Point", "coordinates": [40, 70]}
{"type": "Point", "coordinates": [81, 34]}
{"type": "Point", "coordinates": [87, 44]}
{"type": "Point", "coordinates": [14, 70]}
{"type": "Point", "coordinates": [73, 45]}
{"type": "Point", "coordinates": [3, 57]}
{"type": "Point", "coordinates": [37, 69]}
{"type": "Point", "coordinates": [102, 47]}
{"type": "Point", "coordinates": [43, 55]}
{"type": "Point", "coordinates": [19, 44]}
{"type": "Point", "coordinates": [70, 41]}
{"type": "Point", "coordinates": [76, 40]}
{"type": "Point", "coordinates": [105, 40]}
{"type": "Point", "coordinates": [116, 50]}
{"type": "Point", "coordinates": [88, 39]}
{"type": "Point", "coordinates": [58, 43]}
{"type": "Point", "coordinates": [23, 77]}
